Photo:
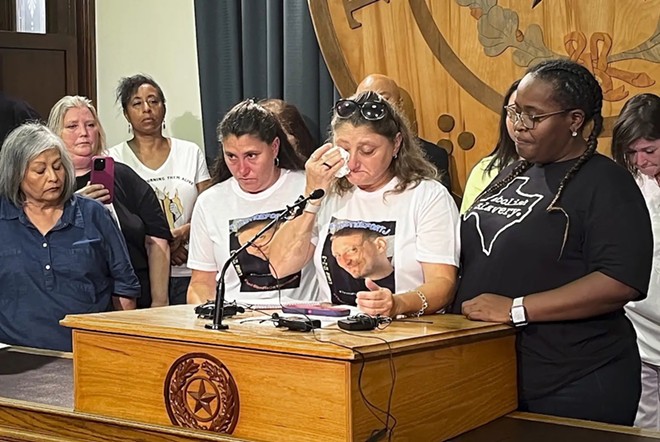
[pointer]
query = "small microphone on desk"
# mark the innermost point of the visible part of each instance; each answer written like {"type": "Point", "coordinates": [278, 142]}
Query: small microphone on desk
{"type": "Point", "coordinates": [207, 310]}
{"type": "Point", "coordinates": [361, 322]}
{"type": "Point", "coordinates": [296, 323]}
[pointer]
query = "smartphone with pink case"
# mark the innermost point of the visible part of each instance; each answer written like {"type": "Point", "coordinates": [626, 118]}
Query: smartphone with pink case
{"type": "Point", "coordinates": [103, 172]}
{"type": "Point", "coordinates": [317, 310]}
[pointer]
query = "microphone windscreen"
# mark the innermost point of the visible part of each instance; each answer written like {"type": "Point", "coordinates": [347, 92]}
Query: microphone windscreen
{"type": "Point", "coordinates": [318, 193]}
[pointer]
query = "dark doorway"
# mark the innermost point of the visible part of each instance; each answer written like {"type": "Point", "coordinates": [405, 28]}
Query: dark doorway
{"type": "Point", "coordinates": [41, 68]}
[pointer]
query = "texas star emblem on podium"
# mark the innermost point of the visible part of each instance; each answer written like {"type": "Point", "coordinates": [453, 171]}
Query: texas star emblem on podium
{"type": "Point", "coordinates": [200, 393]}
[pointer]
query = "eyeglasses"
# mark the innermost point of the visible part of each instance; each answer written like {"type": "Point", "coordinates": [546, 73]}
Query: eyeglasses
{"type": "Point", "coordinates": [527, 120]}
{"type": "Point", "coordinates": [370, 110]}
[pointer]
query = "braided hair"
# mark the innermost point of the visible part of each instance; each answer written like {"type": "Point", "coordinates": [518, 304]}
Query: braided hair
{"type": "Point", "coordinates": [574, 87]}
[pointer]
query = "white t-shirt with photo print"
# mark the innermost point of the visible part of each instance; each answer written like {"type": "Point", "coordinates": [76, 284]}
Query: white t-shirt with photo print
{"type": "Point", "coordinates": [421, 223]}
{"type": "Point", "coordinates": [226, 217]}
{"type": "Point", "coordinates": [175, 181]}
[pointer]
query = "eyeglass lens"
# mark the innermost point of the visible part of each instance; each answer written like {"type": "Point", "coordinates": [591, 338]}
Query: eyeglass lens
{"type": "Point", "coordinates": [524, 118]}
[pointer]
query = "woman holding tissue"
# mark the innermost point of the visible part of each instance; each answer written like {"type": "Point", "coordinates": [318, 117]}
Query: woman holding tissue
{"type": "Point", "coordinates": [381, 202]}
{"type": "Point", "coordinates": [257, 174]}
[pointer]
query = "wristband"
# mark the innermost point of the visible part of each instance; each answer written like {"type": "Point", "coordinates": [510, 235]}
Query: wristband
{"type": "Point", "coordinates": [312, 208]}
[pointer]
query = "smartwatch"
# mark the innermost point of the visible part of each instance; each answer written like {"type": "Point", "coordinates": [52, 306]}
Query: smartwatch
{"type": "Point", "coordinates": [518, 313]}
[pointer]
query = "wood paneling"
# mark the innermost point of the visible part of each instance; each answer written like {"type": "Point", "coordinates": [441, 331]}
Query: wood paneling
{"type": "Point", "coordinates": [40, 87]}
{"type": "Point", "coordinates": [438, 393]}
{"type": "Point", "coordinates": [457, 57]}
{"type": "Point", "coordinates": [41, 68]}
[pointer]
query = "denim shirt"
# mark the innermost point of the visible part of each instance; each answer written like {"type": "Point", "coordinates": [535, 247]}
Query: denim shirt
{"type": "Point", "coordinates": [75, 268]}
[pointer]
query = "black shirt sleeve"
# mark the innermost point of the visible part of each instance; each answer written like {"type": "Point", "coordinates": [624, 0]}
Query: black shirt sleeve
{"type": "Point", "coordinates": [618, 238]}
{"type": "Point", "coordinates": [141, 200]}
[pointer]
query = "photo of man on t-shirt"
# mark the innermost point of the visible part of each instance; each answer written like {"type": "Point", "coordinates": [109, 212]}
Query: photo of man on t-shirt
{"type": "Point", "coordinates": [355, 250]}
{"type": "Point", "coordinates": [252, 264]}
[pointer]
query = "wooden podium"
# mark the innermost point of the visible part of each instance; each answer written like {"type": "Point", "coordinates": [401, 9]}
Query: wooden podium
{"type": "Point", "coordinates": [258, 382]}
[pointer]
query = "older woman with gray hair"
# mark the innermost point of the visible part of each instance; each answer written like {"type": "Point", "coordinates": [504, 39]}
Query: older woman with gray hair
{"type": "Point", "coordinates": [61, 253]}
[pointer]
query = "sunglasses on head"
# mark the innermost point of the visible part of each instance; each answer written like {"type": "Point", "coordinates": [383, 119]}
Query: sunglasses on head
{"type": "Point", "coordinates": [370, 110]}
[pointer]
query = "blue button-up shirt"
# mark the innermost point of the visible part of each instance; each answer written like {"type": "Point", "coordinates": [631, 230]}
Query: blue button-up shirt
{"type": "Point", "coordinates": [74, 268]}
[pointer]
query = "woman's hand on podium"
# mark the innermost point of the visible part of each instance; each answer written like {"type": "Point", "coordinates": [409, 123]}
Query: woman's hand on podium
{"type": "Point", "coordinates": [488, 307]}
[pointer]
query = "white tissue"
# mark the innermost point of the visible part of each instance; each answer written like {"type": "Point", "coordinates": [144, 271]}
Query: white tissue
{"type": "Point", "coordinates": [345, 156]}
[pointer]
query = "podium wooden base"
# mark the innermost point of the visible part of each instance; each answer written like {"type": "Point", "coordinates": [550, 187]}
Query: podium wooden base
{"type": "Point", "coordinates": [256, 382]}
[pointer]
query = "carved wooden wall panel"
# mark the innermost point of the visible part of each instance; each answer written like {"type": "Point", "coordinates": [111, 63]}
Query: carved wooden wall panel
{"type": "Point", "coordinates": [455, 58]}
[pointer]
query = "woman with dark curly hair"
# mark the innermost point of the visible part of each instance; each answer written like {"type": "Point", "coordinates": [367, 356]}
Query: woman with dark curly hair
{"type": "Point", "coordinates": [176, 169]}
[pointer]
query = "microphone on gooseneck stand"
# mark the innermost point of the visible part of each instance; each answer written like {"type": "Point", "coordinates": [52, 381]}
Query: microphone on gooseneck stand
{"type": "Point", "coordinates": [289, 213]}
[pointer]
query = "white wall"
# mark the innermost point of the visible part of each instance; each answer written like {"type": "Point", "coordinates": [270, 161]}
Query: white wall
{"type": "Point", "coordinates": [154, 37]}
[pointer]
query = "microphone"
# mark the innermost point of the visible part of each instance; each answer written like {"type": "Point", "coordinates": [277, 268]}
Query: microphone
{"type": "Point", "coordinates": [318, 193]}
{"type": "Point", "coordinates": [301, 202]}
{"type": "Point", "coordinates": [289, 213]}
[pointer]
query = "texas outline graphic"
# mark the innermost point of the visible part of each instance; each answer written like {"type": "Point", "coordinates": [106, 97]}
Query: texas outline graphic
{"type": "Point", "coordinates": [509, 207]}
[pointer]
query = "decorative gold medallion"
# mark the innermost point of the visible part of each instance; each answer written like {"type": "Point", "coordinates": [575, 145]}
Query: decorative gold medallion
{"type": "Point", "coordinates": [200, 393]}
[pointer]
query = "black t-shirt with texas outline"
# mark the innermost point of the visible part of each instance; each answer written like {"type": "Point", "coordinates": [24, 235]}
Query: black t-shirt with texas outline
{"type": "Point", "coordinates": [512, 246]}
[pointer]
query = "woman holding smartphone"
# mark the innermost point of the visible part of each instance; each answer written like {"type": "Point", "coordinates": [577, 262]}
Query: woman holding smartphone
{"type": "Point", "coordinates": [134, 204]}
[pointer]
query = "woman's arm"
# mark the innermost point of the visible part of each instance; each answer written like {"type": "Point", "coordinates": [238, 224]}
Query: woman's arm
{"type": "Point", "coordinates": [158, 253]}
{"type": "Point", "coordinates": [122, 303]}
{"type": "Point", "coordinates": [592, 295]}
{"type": "Point", "coordinates": [126, 284]}
{"type": "Point", "coordinates": [438, 291]}
{"type": "Point", "coordinates": [202, 287]}
{"type": "Point", "coordinates": [180, 238]}
{"type": "Point", "coordinates": [291, 247]}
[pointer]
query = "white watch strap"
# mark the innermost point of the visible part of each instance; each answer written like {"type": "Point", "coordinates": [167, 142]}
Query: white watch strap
{"type": "Point", "coordinates": [517, 301]}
